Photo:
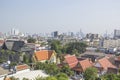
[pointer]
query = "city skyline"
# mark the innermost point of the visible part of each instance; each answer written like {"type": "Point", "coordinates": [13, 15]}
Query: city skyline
{"type": "Point", "coordinates": [64, 16]}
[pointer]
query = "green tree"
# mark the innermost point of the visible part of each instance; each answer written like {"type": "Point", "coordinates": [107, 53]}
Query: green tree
{"type": "Point", "coordinates": [51, 78]}
{"type": "Point", "coordinates": [52, 69]}
{"type": "Point", "coordinates": [40, 78]}
{"type": "Point", "coordinates": [60, 57]}
{"type": "Point", "coordinates": [25, 59]}
{"type": "Point", "coordinates": [25, 79]}
{"type": "Point", "coordinates": [110, 77]}
{"type": "Point", "coordinates": [40, 65]}
{"type": "Point", "coordinates": [77, 47]}
{"type": "Point", "coordinates": [6, 55]}
{"type": "Point", "coordinates": [90, 73]}
{"type": "Point", "coordinates": [56, 45]}
{"type": "Point", "coordinates": [75, 51]}
{"type": "Point", "coordinates": [13, 78]}
{"type": "Point", "coordinates": [3, 56]}
{"type": "Point", "coordinates": [62, 76]}
{"type": "Point", "coordinates": [2, 51]}
{"type": "Point", "coordinates": [31, 40]}
{"type": "Point", "coordinates": [43, 43]}
{"type": "Point", "coordinates": [12, 64]}
{"type": "Point", "coordinates": [66, 69]}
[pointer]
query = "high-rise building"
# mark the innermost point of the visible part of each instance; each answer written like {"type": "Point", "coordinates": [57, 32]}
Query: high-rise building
{"type": "Point", "coordinates": [55, 33]}
{"type": "Point", "coordinates": [116, 33]}
{"type": "Point", "coordinates": [14, 31]}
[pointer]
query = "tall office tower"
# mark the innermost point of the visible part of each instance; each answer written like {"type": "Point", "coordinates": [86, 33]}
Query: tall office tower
{"type": "Point", "coordinates": [55, 34]}
{"type": "Point", "coordinates": [116, 33]}
{"type": "Point", "coordinates": [14, 31]}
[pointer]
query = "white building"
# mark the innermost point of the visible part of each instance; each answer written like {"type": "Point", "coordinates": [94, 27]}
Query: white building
{"type": "Point", "coordinates": [111, 43]}
{"type": "Point", "coordinates": [14, 31]}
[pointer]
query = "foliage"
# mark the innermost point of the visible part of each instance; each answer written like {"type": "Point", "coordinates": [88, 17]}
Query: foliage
{"type": "Point", "coordinates": [60, 57]}
{"type": "Point", "coordinates": [13, 78]}
{"type": "Point", "coordinates": [51, 69]}
{"type": "Point", "coordinates": [65, 69]}
{"type": "Point", "coordinates": [40, 65]}
{"type": "Point", "coordinates": [25, 59]}
{"type": "Point", "coordinates": [76, 47]}
{"type": "Point", "coordinates": [110, 77]}
{"type": "Point", "coordinates": [90, 73]}
{"type": "Point", "coordinates": [40, 78]}
{"type": "Point", "coordinates": [6, 55]}
{"type": "Point", "coordinates": [70, 48]}
{"type": "Point", "coordinates": [14, 57]}
{"type": "Point", "coordinates": [43, 43]}
{"type": "Point", "coordinates": [62, 76]}
{"type": "Point", "coordinates": [13, 64]}
{"type": "Point", "coordinates": [75, 51]}
{"type": "Point", "coordinates": [31, 40]}
{"type": "Point", "coordinates": [25, 79]}
{"type": "Point", "coordinates": [51, 78]}
{"type": "Point", "coordinates": [56, 45]}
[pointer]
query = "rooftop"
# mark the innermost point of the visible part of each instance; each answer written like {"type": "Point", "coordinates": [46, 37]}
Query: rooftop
{"type": "Point", "coordinates": [43, 54]}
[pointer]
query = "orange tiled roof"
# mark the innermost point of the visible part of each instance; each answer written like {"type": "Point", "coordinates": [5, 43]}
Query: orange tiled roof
{"type": "Point", "coordinates": [71, 60]}
{"type": "Point", "coordinates": [105, 63]}
{"type": "Point", "coordinates": [85, 64]}
{"type": "Point", "coordinates": [22, 67]}
{"type": "Point", "coordinates": [43, 55]}
{"type": "Point", "coordinates": [1, 42]}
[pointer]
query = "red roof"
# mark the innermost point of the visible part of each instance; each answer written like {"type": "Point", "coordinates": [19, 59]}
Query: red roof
{"type": "Point", "coordinates": [71, 60]}
{"type": "Point", "coordinates": [85, 64]}
{"type": "Point", "coordinates": [43, 54]}
{"type": "Point", "coordinates": [1, 42]}
{"type": "Point", "coordinates": [22, 67]}
{"type": "Point", "coordinates": [105, 63]}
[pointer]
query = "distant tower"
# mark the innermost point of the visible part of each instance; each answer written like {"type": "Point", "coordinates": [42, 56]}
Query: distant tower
{"type": "Point", "coordinates": [116, 33]}
{"type": "Point", "coordinates": [106, 34]}
{"type": "Point", "coordinates": [55, 34]}
{"type": "Point", "coordinates": [81, 34]}
{"type": "Point", "coordinates": [14, 31]}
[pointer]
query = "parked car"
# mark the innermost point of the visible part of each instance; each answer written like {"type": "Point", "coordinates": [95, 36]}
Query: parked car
{"type": "Point", "coordinates": [5, 66]}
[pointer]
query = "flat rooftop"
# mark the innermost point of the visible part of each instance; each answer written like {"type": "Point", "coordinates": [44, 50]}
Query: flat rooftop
{"type": "Point", "coordinates": [31, 75]}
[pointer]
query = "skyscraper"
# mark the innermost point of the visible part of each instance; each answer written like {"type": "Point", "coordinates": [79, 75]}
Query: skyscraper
{"type": "Point", "coordinates": [55, 34]}
{"type": "Point", "coordinates": [14, 31]}
{"type": "Point", "coordinates": [116, 33]}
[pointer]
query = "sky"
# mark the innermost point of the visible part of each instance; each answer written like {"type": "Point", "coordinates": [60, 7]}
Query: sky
{"type": "Point", "coordinates": [45, 16]}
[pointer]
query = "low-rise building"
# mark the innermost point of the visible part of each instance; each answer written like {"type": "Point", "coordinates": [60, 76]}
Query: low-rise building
{"type": "Point", "coordinates": [117, 61]}
{"type": "Point", "coordinates": [71, 60]}
{"type": "Point", "coordinates": [22, 68]}
{"type": "Point", "coordinates": [77, 64]}
{"type": "Point", "coordinates": [45, 55]}
{"type": "Point", "coordinates": [104, 66]}
{"type": "Point", "coordinates": [111, 43]}
{"type": "Point", "coordinates": [83, 65]}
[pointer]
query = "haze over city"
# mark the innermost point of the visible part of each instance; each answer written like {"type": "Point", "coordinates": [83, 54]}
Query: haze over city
{"type": "Point", "coordinates": [43, 16]}
{"type": "Point", "coordinates": [59, 39]}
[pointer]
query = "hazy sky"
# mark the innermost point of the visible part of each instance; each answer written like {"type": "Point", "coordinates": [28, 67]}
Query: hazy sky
{"type": "Point", "coordinates": [40, 16]}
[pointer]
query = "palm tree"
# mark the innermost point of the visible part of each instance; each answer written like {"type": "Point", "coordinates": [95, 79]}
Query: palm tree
{"type": "Point", "coordinates": [12, 54]}
{"type": "Point", "coordinates": [8, 54]}
{"type": "Point", "coordinates": [3, 55]}
{"type": "Point", "coordinates": [2, 51]}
